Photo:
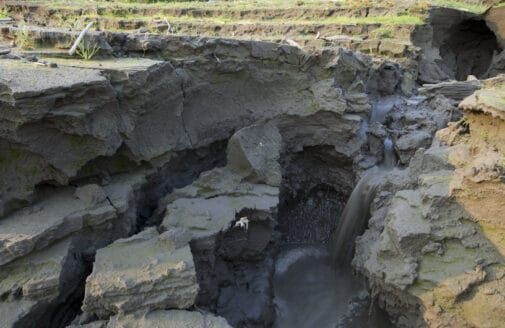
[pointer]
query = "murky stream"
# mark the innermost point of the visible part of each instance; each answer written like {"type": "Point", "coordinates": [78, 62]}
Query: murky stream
{"type": "Point", "coordinates": [309, 292]}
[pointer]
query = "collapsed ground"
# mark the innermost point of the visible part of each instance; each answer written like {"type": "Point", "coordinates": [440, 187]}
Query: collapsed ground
{"type": "Point", "coordinates": [138, 170]}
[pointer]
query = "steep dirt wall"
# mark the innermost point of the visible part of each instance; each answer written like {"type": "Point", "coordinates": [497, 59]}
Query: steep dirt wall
{"type": "Point", "coordinates": [495, 19]}
{"type": "Point", "coordinates": [134, 110]}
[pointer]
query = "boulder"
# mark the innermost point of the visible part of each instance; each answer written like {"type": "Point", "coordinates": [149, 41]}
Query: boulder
{"type": "Point", "coordinates": [254, 153]}
{"type": "Point", "coordinates": [61, 213]}
{"type": "Point", "coordinates": [35, 288]}
{"type": "Point", "coordinates": [328, 97]}
{"type": "Point", "coordinates": [55, 217]}
{"type": "Point", "coordinates": [490, 99]}
{"type": "Point", "coordinates": [145, 271]}
{"type": "Point", "coordinates": [407, 144]}
{"type": "Point", "coordinates": [168, 319]}
{"type": "Point", "coordinates": [456, 90]}
{"type": "Point", "coordinates": [206, 208]}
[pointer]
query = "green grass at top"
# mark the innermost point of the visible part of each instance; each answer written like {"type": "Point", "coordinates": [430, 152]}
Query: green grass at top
{"type": "Point", "coordinates": [187, 4]}
{"type": "Point", "coordinates": [252, 4]}
{"type": "Point", "coordinates": [476, 8]}
{"type": "Point", "coordinates": [390, 20]}
{"type": "Point", "coordinates": [256, 4]}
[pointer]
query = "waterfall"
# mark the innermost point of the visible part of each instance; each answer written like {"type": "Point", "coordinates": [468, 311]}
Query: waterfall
{"type": "Point", "coordinates": [354, 219]}
{"type": "Point", "coordinates": [389, 155]}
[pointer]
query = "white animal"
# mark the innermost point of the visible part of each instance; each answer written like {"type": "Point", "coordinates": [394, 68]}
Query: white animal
{"type": "Point", "coordinates": [243, 223]}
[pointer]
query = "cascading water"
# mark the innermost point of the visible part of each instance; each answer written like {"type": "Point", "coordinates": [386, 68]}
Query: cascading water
{"type": "Point", "coordinates": [356, 213]}
{"type": "Point", "coordinates": [389, 155]}
{"type": "Point", "coordinates": [314, 285]}
{"type": "Point", "coordinates": [354, 218]}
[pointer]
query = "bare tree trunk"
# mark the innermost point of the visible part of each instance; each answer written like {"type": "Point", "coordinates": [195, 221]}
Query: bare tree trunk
{"type": "Point", "coordinates": [79, 39]}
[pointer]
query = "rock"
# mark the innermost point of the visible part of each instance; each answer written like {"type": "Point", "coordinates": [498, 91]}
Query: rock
{"type": "Point", "coordinates": [168, 319]}
{"type": "Point", "coordinates": [36, 287]}
{"type": "Point", "coordinates": [140, 272]}
{"type": "Point", "coordinates": [328, 97]}
{"type": "Point", "coordinates": [204, 217]}
{"type": "Point", "coordinates": [393, 49]}
{"type": "Point", "coordinates": [176, 237]}
{"type": "Point", "coordinates": [490, 99]}
{"type": "Point", "coordinates": [73, 121]}
{"type": "Point", "coordinates": [408, 143]}
{"type": "Point", "coordinates": [430, 71]}
{"type": "Point", "coordinates": [91, 195]}
{"type": "Point", "coordinates": [357, 99]}
{"type": "Point", "coordinates": [497, 65]}
{"type": "Point", "coordinates": [59, 214]}
{"type": "Point", "coordinates": [457, 90]}
{"type": "Point", "coordinates": [433, 248]}
{"type": "Point", "coordinates": [254, 153]}
{"type": "Point", "coordinates": [249, 181]}
{"type": "Point", "coordinates": [430, 251]}
{"type": "Point", "coordinates": [428, 160]}
{"type": "Point", "coordinates": [350, 67]}
{"type": "Point", "coordinates": [495, 19]}
{"type": "Point", "coordinates": [94, 324]}
{"type": "Point", "coordinates": [118, 108]}
{"type": "Point", "coordinates": [407, 228]}
{"type": "Point", "coordinates": [415, 121]}
{"type": "Point", "coordinates": [387, 78]}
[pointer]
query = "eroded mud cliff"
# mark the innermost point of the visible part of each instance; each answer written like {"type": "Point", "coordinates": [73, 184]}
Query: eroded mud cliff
{"type": "Point", "coordinates": [179, 185]}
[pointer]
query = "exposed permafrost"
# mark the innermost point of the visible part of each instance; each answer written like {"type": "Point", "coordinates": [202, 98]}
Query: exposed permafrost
{"type": "Point", "coordinates": [296, 150]}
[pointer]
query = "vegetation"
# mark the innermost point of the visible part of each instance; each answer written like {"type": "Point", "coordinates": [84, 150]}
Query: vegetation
{"type": "Point", "coordinates": [87, 50]}
{"type": "Point", "coordinates": [24, 40]}
{"type": "Point", "coordinates": [207, 17]}
{"type": "Point", "coordinates": [403, 19]}
{"type": "Point", "coordinates": [384, 32]}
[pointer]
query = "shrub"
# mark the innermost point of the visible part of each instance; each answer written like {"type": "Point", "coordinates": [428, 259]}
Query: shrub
{"type": "Point", "coordinates": [87, 50]}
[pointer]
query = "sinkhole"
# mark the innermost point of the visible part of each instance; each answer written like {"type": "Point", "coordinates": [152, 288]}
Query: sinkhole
{"type": "Point", "coordinates": [278, 273]}
{"type": "Point", "coordinates": [468, 49]}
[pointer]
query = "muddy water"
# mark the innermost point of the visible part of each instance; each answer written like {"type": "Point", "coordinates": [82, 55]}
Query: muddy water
{"type": "Point", "coordinates": [314, 286]}
{"type": "Point", "coordinates": [354, 218]}
{"type": "Point", "coordinates": [310, 293]}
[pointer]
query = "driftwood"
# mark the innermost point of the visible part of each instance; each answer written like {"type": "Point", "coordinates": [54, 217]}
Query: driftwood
{"type": "Point", "coordinates": [293, 43]}
{"type": "Point", "coordinates": [79, 39]}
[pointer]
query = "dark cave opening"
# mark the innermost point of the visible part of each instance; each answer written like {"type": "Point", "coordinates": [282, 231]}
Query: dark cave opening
{"type": "Point", "coordinates": [468, 49]}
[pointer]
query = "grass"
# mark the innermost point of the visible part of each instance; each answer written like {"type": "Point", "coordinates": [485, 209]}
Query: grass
{"type": "Point", "coordinates": [217, 4]}
{"type": "Point", "coordinates": [87, 50]}
{"type": "Point", "coordinates": [404, 19]}
{"type": "Point", "coordinates": [475, 8]}
{"type": "Point", "coordinates": [254, 4]}
{"type": "Point", "coordinates": [3, 14]}
{"type": "Point", "coordinates": [24, 40]}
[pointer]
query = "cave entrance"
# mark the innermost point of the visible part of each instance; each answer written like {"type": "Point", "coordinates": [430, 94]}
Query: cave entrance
{"type": "Point", "coordinates": [468, 49]}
